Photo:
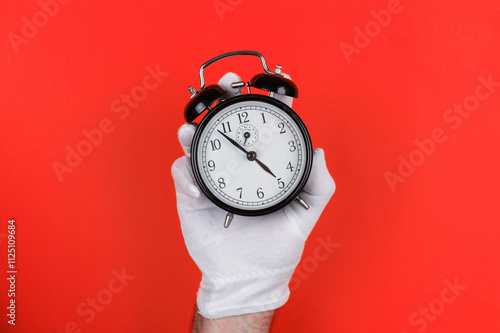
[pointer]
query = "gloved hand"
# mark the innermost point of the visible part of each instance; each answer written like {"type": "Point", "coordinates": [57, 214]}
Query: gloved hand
{"type": "Point", "coordinates": [245, 268]}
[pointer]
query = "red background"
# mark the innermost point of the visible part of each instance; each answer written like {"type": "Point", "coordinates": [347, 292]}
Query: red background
{"type": "Point", "coordinates": [116, 209]}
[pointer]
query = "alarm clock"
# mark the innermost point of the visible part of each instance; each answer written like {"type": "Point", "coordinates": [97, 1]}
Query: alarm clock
{"type": "Point", "coordinates": [251, 154]}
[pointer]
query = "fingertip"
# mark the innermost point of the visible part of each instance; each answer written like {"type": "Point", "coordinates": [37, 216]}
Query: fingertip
{"type": "Point", "coordinates": [319, 161]}
{"type": "Point", "coordinates": [288, 100]}
{"type": "Point", "coordinates": [226, 83]}
{"type": "Point", "coordinates": [330, 185]}
{"type": "Point", "coordinates": [320, 180]}
{"type": "Point", "coordinates": [228, 79]}
{"type": "Point", "coordinates": [185, 134]}
{"type": "Point", "coordinates": [319, 152]}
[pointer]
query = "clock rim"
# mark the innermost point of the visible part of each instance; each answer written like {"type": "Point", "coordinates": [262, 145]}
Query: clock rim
{"type": "Point", "coordinates": [307, 149]}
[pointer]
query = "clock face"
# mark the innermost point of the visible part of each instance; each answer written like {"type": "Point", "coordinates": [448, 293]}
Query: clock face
{"type": "Point", "coordinates": [251, 155]}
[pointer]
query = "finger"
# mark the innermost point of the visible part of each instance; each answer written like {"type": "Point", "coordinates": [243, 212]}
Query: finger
{"type": "Point", "coordinates": [288, 100]}
{"type": "Point", "coordinates": [183, 179]}
{"type": "Point", "coordinates": [226, 83]}
{"type": "Point", "coordinates": [185, 134]}
{"type": "Point", "coordinates": [320, 182]}
{"type": "Point", "coordinates": [317, 192]}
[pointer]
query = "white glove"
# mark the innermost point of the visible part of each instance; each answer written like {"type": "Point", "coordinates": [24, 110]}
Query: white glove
{"type": "Point", "coordinates": [245, 268]}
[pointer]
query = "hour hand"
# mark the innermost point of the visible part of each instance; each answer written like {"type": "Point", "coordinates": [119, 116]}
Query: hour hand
{"type": "Point", "coordinates": [263, 166]}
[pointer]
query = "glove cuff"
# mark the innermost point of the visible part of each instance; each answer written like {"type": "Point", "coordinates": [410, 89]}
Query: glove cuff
{"type": "Point", "coordinates": [249, 293]}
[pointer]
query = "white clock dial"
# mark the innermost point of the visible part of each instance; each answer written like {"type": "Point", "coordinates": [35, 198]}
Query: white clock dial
{"type": "Point", "coordinates": [251, 155]}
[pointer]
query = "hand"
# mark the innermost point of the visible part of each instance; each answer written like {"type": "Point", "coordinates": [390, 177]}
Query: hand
{"type": "Point", "coordinates": [245, 268]}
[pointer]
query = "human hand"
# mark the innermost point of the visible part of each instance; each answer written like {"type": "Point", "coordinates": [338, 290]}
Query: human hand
{"type": "Point", "coordinates": [245, 268]}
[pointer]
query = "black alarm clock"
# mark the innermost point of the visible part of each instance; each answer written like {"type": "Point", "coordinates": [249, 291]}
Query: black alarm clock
{"type": "Point", "coordinates": [251, 154]}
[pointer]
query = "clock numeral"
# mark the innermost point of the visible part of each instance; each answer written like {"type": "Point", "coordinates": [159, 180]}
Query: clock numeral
{"type": "Point", "coordinates": [241, 190]}
{"type": "Point", "coordinates": [260, 194]}
{"type": "Point", "coordinates": [224, 129]}
{"type": "Point", "coordinates": [263, 118]}
{"type": "Point", "coordinates": [215, 144]}
{"type": "Point", "coordinates": [211, 165]}
{"type": "Point", "coordinates": [222, 184]}
{"type": "Point", "coordinates": [289, 166]}
{"type": "Point", "coordinates": [292, 146]}
{"type": "Point", "coordinates": [282, 128]}
{"type": "Point", "coordinates": [243, 117]}
{"type": "Point", "coordinates": [281, 184]}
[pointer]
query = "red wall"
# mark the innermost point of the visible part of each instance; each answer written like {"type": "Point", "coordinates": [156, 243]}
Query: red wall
{"type": "Point", "coordinates": [403, 109]}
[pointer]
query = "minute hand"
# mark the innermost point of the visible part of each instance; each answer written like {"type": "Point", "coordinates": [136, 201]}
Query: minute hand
{"type": "Point", "coordinates": [251, 156]}
{"type": "Point", "coordinates": [234, 143]}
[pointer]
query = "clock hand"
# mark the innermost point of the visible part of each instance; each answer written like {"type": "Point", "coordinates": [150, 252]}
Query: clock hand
{"type": "Point", "coordinates": [264, 167]}
{"type": "Point", "coordinates": [251, 156]}
{"type": "Point", "coordinates": [234, 142]}
{"type": "Point", "coordinates": [246, 135]}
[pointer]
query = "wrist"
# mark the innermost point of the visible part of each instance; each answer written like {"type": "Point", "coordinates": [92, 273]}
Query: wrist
{"type": "Point", "coordinates": [259, 322]}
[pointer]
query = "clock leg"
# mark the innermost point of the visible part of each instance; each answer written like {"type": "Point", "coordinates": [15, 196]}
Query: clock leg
{"type": "Point", "coordinates": [227, 221]}
{"type": "Point", "coordinates": [301, 202]}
